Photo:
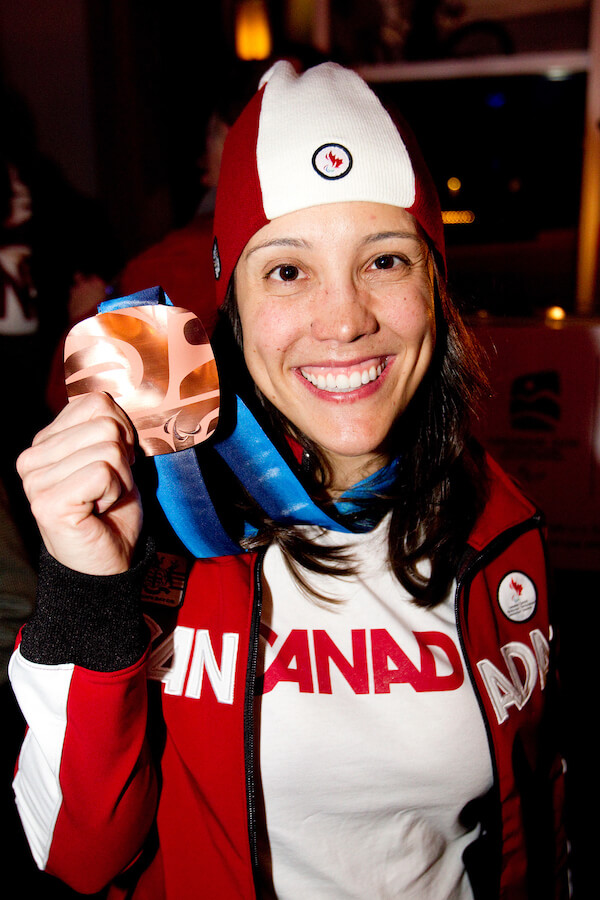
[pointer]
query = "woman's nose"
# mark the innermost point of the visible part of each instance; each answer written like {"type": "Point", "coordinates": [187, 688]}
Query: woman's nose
{"type": "Point", "coordinates": [343, 313]}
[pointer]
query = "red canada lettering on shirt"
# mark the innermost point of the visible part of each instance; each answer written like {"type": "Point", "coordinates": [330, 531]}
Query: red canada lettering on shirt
{"type": "Point", "coordinates": [389, 664]}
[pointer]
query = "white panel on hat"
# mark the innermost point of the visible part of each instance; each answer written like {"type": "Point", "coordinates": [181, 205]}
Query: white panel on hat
{"type": "Point", "coordinates": [328, 105]}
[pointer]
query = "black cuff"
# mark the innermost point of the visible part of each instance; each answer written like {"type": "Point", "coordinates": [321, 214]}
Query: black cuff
{"type": "Point", "coordinates": [94, 621]}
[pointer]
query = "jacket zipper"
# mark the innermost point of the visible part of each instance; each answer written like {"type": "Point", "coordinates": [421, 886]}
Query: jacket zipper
{"type": "Point", "coordinates": [249, 737]}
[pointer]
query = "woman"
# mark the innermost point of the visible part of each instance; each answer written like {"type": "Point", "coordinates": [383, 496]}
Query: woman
{"type": "Point", "coordinates": [346, 712]}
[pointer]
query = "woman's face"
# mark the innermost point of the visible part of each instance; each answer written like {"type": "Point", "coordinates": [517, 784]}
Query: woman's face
{"type": "Point", "coordinates": [337, 312]}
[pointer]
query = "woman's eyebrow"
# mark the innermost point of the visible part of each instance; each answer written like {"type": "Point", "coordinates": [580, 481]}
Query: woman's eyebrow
{"type": "Point", "coordinates": [385, 235]}
{"type": "Point", "coordinates": [280, 242]}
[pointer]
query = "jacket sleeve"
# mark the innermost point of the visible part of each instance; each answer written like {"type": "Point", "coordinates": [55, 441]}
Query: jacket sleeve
{"type": "Point", "coordinates": [84, 786]}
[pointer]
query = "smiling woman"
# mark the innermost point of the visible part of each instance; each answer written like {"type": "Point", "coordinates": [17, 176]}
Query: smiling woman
{"type": "Point", "coordinates": [343, 712]}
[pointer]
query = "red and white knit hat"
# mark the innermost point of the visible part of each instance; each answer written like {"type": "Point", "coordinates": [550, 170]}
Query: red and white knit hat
{"type": "Point", "coordinates": [304, 140]}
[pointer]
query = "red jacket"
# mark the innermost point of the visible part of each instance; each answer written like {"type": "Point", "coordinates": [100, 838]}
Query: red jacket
{"type": "Point", "coordinates": [92, 799]}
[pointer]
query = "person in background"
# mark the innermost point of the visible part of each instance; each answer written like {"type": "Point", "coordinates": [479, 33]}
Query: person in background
{"type": "Point", "coordinates": [21, 367]}
{"type": "Point", "coordinates": [54, 243]}
{"type": "Point", "coordinates": [357, 700]}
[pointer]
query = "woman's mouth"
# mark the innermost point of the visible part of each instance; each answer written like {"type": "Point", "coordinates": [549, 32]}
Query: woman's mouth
{"type": "Point", "coordinates": [339, 382]}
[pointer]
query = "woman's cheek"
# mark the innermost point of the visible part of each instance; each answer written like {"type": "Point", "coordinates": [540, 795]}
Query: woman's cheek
{"type": "Point", "coordinates": [412, 318]}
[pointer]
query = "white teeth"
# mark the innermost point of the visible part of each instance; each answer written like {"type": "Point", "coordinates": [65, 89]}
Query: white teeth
{"type": "Point", "coordinates": [342, 382]}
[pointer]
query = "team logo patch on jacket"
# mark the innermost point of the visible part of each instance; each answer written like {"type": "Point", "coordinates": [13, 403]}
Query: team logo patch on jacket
{"type": "Point", "coordinates": [517, 596]}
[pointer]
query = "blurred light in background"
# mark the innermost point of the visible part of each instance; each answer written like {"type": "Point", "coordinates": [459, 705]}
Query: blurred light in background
{"type": "Point", "coordinates": [252, 30]}
{"type": "Point", "coordinates": [555, 314]}
{"type": "Point", "coordinates": [458, 216]}
{"type": "Point", "coordinates": [558, 74]}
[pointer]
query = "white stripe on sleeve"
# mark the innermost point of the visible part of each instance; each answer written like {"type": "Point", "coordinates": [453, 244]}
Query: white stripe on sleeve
{"type": "Point", "coordinates": [42, 693]}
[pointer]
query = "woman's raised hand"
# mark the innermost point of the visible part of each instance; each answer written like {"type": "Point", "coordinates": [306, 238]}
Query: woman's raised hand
{"type": "Point", "coordinates": [77, 477]}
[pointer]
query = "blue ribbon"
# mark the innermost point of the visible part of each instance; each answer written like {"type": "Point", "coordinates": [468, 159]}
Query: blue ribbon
{"type": "Point", "coordinates": [356, 500]}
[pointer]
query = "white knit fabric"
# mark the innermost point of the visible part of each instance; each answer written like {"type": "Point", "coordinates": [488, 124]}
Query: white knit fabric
{"type": "Point", "coordinates": [345, 113]}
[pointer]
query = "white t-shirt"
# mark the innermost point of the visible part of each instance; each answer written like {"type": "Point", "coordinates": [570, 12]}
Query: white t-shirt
{"type": "Point", "coordinates": [370, 738]}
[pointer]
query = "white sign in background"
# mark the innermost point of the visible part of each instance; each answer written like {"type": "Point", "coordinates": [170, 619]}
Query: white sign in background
{"type": "Point", "coordinates": [542, 424]}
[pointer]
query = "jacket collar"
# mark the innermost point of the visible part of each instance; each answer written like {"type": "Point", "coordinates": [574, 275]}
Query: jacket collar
{"type": "Point", "coordinates": [507, 508]}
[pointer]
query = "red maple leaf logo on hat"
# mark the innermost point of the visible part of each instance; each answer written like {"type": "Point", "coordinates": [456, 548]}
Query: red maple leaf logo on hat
{"type": "Point", "coordinates": [517, 588]}
{"type": "Point", "coordinates": [335, 161]}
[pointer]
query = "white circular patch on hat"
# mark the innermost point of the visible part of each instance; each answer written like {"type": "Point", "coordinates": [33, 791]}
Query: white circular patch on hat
{"type": "Point", "coordinates": [332, 161]}
{"type": "Point", "coordinates": [517, 596]}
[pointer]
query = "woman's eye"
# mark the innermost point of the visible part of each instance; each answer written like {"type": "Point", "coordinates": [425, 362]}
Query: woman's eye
{"type": "Point", "coordinates": [388, 261]}
{"type": "Point", "coordinates": [285, 273]}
